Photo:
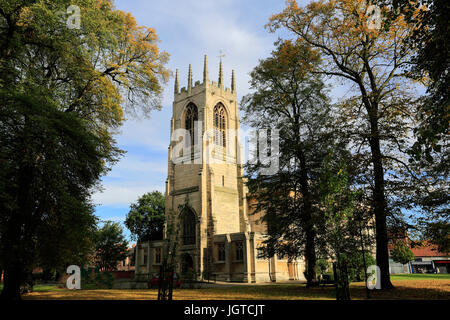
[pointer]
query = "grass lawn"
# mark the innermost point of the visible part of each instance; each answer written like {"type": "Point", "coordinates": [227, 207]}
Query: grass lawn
{"type": "Point", "coordinates": [420, 276]}
{"type": "Point", "coordinates": [42, 287]}
{"type": "Point", "coordinates": [406, 287]}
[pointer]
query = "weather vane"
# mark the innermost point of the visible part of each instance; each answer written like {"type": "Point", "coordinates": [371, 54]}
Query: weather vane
{"type": "Point", "coordinates": [221, 55]}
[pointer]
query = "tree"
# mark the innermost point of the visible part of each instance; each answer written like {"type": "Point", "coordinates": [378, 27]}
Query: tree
{"type": "Point", "coordinates": [432, 39]}
{"type": "Point", "coordinates": [401, 253]}
{"type": "Point", "coordinates": [50, 161]}
{"type": "Point", "coordinates": [92, 70]}
{"type": "Point", "coordinates": [430, 65]}
{"type": "Point", "coordinates": [169, 254]}
{"type": "Point", "coordinates": [289, 98]}
{"type": "Point", "coordinates": [341, 224]}
{"type": "Point", "coordinates": [146, 217]}
{"type": "Point", "coordinates": [110, 246]}
{"type": "Point", "coordinates": [370, 59]}
{"type": "Point", "coordinates": [64, 92]}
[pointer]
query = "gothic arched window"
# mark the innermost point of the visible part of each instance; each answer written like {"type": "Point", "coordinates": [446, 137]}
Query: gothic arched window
{"type": "Point", "coordinates": [220, 125]}
{"type": "Point", "coordinates": [188, 223]}
{"type": "Point", "coordinates": [191, 116]}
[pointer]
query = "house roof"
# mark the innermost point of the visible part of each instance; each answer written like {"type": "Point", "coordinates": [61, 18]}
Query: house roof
{"type": "Point", "coordinates": [427, 250]}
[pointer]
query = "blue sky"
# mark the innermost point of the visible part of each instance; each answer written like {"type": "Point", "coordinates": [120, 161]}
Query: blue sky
{"type": "Point", "coordinates": [188, 29]}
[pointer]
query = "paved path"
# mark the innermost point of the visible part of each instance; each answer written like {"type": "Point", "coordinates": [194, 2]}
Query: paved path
{"type": "Point", "coordinates": [223, 284]}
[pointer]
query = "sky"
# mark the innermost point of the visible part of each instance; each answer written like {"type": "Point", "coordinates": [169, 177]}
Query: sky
{"type": "Point", "coordinates": [188, 29]}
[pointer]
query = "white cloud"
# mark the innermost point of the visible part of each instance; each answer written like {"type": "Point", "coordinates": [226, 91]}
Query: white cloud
{"type": "Point", "coordinates": [131, 166]}
{"type": "Point", "coordinates": [122, 194]}
{"type": "Point", "coordinates": [188, 30]}
{"type": "Point", "coordinates": [150, 134]}
{"type": "Point", "coordinates": [130, 178]}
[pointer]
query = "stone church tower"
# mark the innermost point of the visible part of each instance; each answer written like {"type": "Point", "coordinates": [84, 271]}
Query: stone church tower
{"type": "Point", "coordinates": [206, 193]}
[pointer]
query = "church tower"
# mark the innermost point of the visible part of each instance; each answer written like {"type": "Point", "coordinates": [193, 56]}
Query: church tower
{"type": "Point", "coordinates": [204, 173]}
{"type": "Point", "coordinates": [219, 235]}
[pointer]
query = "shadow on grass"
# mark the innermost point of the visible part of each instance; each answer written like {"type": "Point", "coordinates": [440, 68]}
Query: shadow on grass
{"type": "Point", "coordinates": [407, 290]}
{"type": "Point", "coordinates": [404, 289]}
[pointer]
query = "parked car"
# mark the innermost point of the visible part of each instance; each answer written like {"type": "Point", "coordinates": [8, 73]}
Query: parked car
{"type": "Point", "coordinates": [154, 281]}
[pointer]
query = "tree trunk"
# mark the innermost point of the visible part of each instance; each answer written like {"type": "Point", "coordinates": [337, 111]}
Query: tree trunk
{"type": "Point", "coordinates": [310, 255]}
{"type": "Point", "coordinates": [310, 250]}
{"type": "Point", "coordinates": [12, 251]}
{"type": "Point", "coordinates": [379, 203]}
{"type": "Point", "coordinates": [11, 287]}
{"type": "Point", "coordinates": [17, 248]}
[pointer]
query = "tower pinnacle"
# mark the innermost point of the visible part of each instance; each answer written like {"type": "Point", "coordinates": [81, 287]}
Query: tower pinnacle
{"type": "Point", "coordinates": [233, 82]}
{"type": "Point", "coordinates": [205, 70]}
{"type": "Point", "coordinates": [190, 78]}
{"type": "Point", "coordinates": [177, 83]}
{"type": "Point", "coordinates": [220, 82]}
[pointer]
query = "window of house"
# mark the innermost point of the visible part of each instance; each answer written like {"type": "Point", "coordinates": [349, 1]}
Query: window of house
{"type": "Point", "coordinates": [157, 255]}
{"type": "Point", "coordinates": [220, 252]}
{"type": "Point", "coordinates": [239, 251]}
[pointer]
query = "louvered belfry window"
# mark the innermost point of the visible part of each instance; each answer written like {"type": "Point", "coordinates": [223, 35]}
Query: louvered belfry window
{"type": "Point", "coordinates": [220, 124]}
{"type": "Point", "coordinates": [190, 119]}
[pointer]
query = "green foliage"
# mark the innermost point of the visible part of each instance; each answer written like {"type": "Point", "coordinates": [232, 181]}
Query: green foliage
{"type": "Point", "coordinates": [345, 215]}
{"type": "Point", "coordinates": [378, 109]}
{"type": "Point", "coordinates": [108, 66]}
{"type": "Point", "coordinates": [110, 246]}
{"type": "Point", "coordinates": [401, 253]}
{"type": "Point", "coordinates": [290, 98]}
{"type": "Point", "coordinates": [346, 225]}
{"type": "Point", "coordinates": [431, 66]}
{"type": "Point", "coordinates": [63, 94]}
{"type": "Point", "coordinates": [50, 161]}
{"type": "Point", "coordinates": [146, 217]}
{"type": "Point", "coordinates": [356, 265]}
{"type": "Point", "coordinates": [170, 249]}
{"type": "Point", "coordinates": [322, 266]}
{"type": "Point", "coordinates": [438, 233]}
{"type": "Point", "coordinates": [93, 278]}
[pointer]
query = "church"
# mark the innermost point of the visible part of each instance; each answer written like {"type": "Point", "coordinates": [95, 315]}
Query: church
{"type": "Point", "coordinates": [219, 237]}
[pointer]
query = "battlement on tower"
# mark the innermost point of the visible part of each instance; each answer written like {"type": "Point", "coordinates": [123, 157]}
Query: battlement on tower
{"type": "Point", "coordinates": [215, 88]}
